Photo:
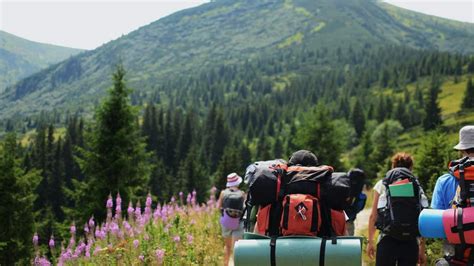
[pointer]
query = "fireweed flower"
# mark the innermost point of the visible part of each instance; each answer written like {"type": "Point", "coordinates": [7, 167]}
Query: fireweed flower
{"type": "Point", "coordinates": [109, 203]}
{"type": "Point", "coordinates": [176, 239]}
{"type": "Point", "coordinates": [141, 257]}
{"type": "Point", "coordinates": [72, 229]}
{"type": "Point", "coordinates": [160, 254]}
{"type": "Point", "coordinates": [86, 228]}
{"type": "Point", "coordinates": [188, 199]}
{"type": "Point", "coordinates": [51, 242]}
{"type": "Point", "coordinates": [91, 222]}
{"type": "Point", "coordinates": [35, 239]}
{"type": "Point", "coordinates": [190, 238]}
{"type": "Point", "coordinates": [136, 243]}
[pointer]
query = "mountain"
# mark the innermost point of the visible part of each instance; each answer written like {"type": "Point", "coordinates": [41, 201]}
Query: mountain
{"type": "Point", "coordinates": [20, 58]}
{"type": "Point", "coordinates": [227, 33]}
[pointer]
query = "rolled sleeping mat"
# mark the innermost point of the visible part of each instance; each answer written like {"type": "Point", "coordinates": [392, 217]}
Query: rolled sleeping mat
{"type": "Point", "coordinates": [451, 229]}
{"type": "Point", "coordinates": [294, 251]}
{"type": "Point", "coordinates": [430, 223]}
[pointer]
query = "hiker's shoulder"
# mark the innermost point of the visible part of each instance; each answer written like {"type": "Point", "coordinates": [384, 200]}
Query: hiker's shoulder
{"type": "Point", "coordinates": [446, 179]}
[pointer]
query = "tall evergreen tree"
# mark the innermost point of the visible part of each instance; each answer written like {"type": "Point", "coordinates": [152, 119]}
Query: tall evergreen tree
{"type": "Point", "coordinates": [431, 159]}
{"type": "Point", "coordinates": [432, 110]}
{"type": "Point", "coordinates": [468, 100]}
{"type": "Point", "coordinates": [114, 159]}
{"type": "Point", "coordinates": [16, 205]}
{"type": "Point", "coordinates": [318, 134]}
{"type": "Point", "coordinates": [358, 118]}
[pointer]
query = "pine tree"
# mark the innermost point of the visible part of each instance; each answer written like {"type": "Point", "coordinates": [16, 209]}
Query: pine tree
{"type": "Point", "coordinates": [432, 110]}
{"type": "Point", "coordinates": [358, 118]}
{"type": "Point", "coordinates": [318, 134]}
{"type": "Point", "coordinates": [115, 159]}
{"type": "Point", "coordinates": [431, 159]}
{"type": "Point", "coordinates": [468, 100]}
{"type": "Point", "coordinates": [16, 200]}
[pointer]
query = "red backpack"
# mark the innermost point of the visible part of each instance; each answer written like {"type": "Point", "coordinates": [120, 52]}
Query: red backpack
{"type": "Point", "coordinates": [299, 209]}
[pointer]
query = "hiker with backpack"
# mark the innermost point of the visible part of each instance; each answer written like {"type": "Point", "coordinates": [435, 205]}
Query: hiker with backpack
{"type": "Point", "coordinates": [398, 201]}
{"type": "Point", "coordinates": [231, 203]}
{"type": "Point", "coordinates": [298, 197]}
{"type": "Point", "coordinates": [455, 190]}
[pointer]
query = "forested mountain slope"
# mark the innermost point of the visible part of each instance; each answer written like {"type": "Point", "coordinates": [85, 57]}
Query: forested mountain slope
{"type": "Point", "coordinates": [234, 34]}
{"type": "Point", "coordinates": [20, 57]}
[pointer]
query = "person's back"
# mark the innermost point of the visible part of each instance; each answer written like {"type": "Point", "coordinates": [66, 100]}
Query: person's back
{"type": "Point", "coordinates": [397, 245]}
{"type": "Point", "coordinates": [446, 186]}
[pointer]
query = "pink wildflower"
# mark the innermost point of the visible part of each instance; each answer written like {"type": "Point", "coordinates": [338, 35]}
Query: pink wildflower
{"type": "Point", "coordinates": [190, 239]}
{"type": "Point", "coordinates": [35, 239]}
{"type": "Point", "coordinates": [136, 243]}
{"type": "Point", "coordinates": [109, 203]}
{"type": "Point", "coordinates": [51, 242]}
{"type": "Point", "coordinates": [160, 254]}
{"type": "Point", "coordinates": [176, 239]}
{"type": "Point", "coordinates": [91, 222]}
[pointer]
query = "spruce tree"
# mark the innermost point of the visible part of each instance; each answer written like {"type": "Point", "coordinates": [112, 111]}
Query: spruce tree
{"type": "Point", "coordinates": [114, 159]}
{"type": "Point", "coordinates": [431, 159]}
{"type": "Point", "coordinates": [16, 205]}
{"type": "Point", "coordinates": [468, 100]}
{"type": "Point", "coordinates": [318, 134]}
{"type": "Point", "coordinates": [358, 118]}
{"type": "Point", "coordinates": [432, 110]}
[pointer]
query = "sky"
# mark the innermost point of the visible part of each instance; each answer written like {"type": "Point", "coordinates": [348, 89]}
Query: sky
{"type": "Point", "coordinates": [87, 24]}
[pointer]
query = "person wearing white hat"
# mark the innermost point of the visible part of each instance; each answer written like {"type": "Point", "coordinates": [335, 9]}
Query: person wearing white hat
{"type": "Point", "coordinates": [446, 186]}
{"type": "Point", "coordinates": [231, 202]}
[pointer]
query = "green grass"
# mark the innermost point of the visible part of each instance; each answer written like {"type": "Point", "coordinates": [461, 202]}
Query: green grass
{"type": "Point", "coordinates": [297, 38]}
{"type": "Point", "coordinates": [319, 27]}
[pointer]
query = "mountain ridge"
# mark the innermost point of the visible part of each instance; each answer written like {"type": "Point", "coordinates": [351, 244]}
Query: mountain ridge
{"type": "Point", "coordinates": [20, 57]}
{"type": "Point", "coordinates": [225, 33]}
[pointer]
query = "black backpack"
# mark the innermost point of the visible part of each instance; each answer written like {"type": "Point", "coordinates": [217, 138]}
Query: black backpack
{"type": "Point", "coordinates": [233, 203]}
{"type": "Point", "coordinates": [265, 179]}
{"type": "Point", "coordinates": [399, 218]}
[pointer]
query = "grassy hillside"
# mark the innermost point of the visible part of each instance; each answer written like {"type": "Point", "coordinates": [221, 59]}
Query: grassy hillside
{"type": "Point", "coordinates": [227, 32]}
{"type": "Point", "coordinates": [20, 57]}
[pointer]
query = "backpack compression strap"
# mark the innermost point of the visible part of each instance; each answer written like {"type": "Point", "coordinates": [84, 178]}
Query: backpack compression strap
{"type": "Point", "coordinates": [272, 251]}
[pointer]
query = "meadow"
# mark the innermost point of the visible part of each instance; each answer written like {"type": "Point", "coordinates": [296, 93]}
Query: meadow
{"type": "Point", "coordinates": [180, 232]}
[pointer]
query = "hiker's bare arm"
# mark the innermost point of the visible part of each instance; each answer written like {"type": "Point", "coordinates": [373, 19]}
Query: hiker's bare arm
{"type": "Point", "coordinates": [219, 201]}
{"type": "Point", "coordinates": [372, 220]}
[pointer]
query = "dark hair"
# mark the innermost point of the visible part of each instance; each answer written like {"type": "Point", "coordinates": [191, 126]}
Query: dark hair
{"type": "Point", "coordinates": [303, 158]}
{"type": "Point", "coordinates": [402, 159]}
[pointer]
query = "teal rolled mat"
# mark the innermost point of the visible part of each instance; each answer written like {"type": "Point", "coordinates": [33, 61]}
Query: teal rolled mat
{"type": "Point", "coordinates": [294, 251]}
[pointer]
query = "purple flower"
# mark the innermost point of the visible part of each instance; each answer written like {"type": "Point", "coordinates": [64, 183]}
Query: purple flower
{"type": "Point", "coordinates": [173, 199]}
{"type": "Point", "coordinates": [91, 222]}
{"type": "Point", "coordinates": [136, 243]}
{"type": "Point", "coordinates": [148, 200]}
{"type": "Point", "coordinates": [130, 210]}
{"type": "Point", "coordinates": [73, 229]}
{"type": "Point", "coordinates": [190, 239]}
{"type": "Point", "coordinates": [188, 198]}
{"type": "Point", "coordinates": [109, 203]}
{"type": "Point", "coordinates": [86, 228]}
{"type": "Point", "coordinates": [35, 239]}
{"type": "Point", "coordinates": [42, 261]}
{"type": "Point", "coordinates": [141, 257]}
{"type": "Point", "coordinates": [51, 242]}
{"type": "Point", "coordinates": [118, 199]}
{"type": "Point", "coordinates": [160, 254]}
{"type": "Point", "coordinates": [176, 239]}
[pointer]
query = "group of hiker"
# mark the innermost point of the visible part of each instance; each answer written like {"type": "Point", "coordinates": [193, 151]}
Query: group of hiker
{"type": "Point", "coordinates": [301, 197]}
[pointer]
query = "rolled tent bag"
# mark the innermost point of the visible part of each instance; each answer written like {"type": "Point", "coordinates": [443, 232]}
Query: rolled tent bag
{"type": "Point", "coordinates": [452, 228]}
{"type": "Point", "coordinates": [294, 251]}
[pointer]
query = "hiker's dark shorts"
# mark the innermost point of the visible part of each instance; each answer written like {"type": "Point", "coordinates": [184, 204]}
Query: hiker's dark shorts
{"type": "Point", "coordinates": [391, 251]}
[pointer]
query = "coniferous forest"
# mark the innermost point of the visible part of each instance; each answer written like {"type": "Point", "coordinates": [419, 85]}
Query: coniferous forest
{"type": "Point", "coordinates": [166, 144]}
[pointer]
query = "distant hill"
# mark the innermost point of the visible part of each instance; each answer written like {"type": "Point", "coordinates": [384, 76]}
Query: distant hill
{"type": "Point", "coordinates": [226, 33]}
{"type": "Point", "coordinates": [20, 57]}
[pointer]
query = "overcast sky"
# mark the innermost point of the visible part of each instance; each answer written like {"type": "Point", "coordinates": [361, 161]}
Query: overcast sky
{"type": "Point", "coordinates": [88, 24]}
